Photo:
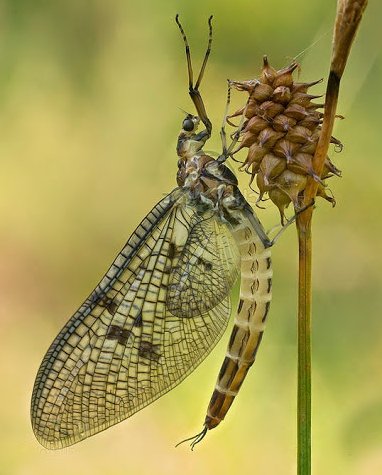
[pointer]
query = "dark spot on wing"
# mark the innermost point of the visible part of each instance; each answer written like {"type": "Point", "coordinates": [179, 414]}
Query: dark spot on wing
{"type": "Point", "coordinates": [98, 297]}
{"type": "Point", "coordinates": [118, 333]}
{"type": "Point", "coordinates": [95, 297]}
{"type": "Point", "coordinates": [138, 320]}
{"type": "Point", "coordinates": [149, 351]}
{"type": "Point", "coordinates": [241, 303]}
{"type": "Point", "coordinates": [171, 250]}
{"type": "Point", "coordinates": [110, 304]}
{"type": "Point", "coordinates": [206, 264]}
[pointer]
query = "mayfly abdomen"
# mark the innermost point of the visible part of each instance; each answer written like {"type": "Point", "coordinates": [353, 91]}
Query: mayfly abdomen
{"type": "Point", "coordinates": [247, 332]}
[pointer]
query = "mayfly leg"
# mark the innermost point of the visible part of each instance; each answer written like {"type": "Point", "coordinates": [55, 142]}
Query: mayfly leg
{"type": "Point", "coordinates": [236, 135]}
{"type": "Point", "coordinates": [207, 53]}
{"type": "Point", "coordinates": [193, 89]}
{"type": "Point", "coordinates": [223, 134]}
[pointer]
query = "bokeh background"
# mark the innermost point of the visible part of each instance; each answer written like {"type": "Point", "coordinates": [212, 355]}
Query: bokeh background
{"type": "Point", "coordinates": [90, 93]}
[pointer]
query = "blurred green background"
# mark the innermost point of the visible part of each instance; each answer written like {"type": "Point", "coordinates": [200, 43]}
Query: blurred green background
{"type": "Point", "coordinates": [89, 115]}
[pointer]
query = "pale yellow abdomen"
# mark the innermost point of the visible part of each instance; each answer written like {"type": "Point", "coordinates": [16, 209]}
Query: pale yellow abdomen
{"type": "Point", "coordinates": [247, 332]}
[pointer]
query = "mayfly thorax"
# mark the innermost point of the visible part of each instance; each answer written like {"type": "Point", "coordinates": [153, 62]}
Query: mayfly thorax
{"type": "Point", "coordinates": [165, 301]}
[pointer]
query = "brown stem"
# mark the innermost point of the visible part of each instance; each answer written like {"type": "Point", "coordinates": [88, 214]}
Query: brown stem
{"type": "Point", "coordinates": [349, 15]}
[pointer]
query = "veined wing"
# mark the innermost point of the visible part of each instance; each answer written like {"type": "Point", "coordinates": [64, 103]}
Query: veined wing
{"type": "Point", "coordinates": [206, 270]}
{"type": "Point", "coordinates": [123, 348]}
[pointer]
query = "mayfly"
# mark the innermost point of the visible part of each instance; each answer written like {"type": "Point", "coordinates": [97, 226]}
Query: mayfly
{"type": "Point", "coordinates": [165, 301]}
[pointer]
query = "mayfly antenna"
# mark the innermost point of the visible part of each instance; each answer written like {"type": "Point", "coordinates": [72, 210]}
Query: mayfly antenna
{"type": "Point", "coordinates": [194, 89]}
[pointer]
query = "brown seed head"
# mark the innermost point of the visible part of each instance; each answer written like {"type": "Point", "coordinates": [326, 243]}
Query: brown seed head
{"type": "Point", "coordinates": [281, 135]}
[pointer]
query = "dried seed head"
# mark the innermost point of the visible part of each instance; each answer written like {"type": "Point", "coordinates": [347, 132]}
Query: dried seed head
{"type": "Point", "coordinates": [281, 135]}
{"type": "Point", "coordinates": [285, 149]}
{"type": "Point", "coordinates": [251, 109]}
{"type": "Point", "coordinates": [303, 99]}
{"type": "Point", "coordinates": [302, 164]}
{"type": "Point", "coordinates": [322, 194]}
{"type": "Point", "coordinates": [281, 200]}
{"type": "Point", "coordinates": [255, 154]}
{"type": "Point", "coordinates": [281, 94]}
{"type": "Point", "coordinates": [299, 134]}
{"type": "Point", "coordinates": [262, 92]}
{"type": "Point", "coordinates": [311, 145]}
{"type": "Point", "coordinates": [282, 123]}
{"type": "Point", "coordinates": [284, 77]}
{"type": "Point", "coordinates": [312, 121]}
{"type": "Point", "coordinates": [268, 137]}
{"type": "Point", "coordinates": [304, 86]}
{"type": "Point", "coordinates": [330, 168]}
{"type": "Point", "coordinates": [262, 185]}
{"type": "Point", "coordinates": [255, 125]}
{"type": "Point", "coordinates": [247, 140]}
{"type": "Point", "coordinates": [268, 73]}
{"type": "Point", "coordinates": [292, 184]}
{"type": "Point", "coordinates": [296, 111]}
{"type": "Point", "coordinates": [271, 167]}
{"type": "Point", "coordinates": [269, 109]}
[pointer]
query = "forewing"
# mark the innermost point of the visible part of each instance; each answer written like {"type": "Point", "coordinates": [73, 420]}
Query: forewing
{"type": "Point", "coordinates": [206, 269]}
{"type": "Point", "coordinates": [123, 348]}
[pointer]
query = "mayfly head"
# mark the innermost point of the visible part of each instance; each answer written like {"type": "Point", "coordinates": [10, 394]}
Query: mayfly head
{"type": "Point", "coordinates": [189, 141]}
{"type": "Point", "coordinates": [190, 124]}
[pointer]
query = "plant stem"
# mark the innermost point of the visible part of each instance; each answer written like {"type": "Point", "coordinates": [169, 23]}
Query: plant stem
{"type": "Point", "coordinates": [304, 346]}
{"type": "Point", "coordinates": [349, 14]}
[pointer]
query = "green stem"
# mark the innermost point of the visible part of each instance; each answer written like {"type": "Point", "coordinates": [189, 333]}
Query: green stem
{"type": "Point", "coordinates": [349, 15]}
{"type": "Point", "coordinates": [304, 345]}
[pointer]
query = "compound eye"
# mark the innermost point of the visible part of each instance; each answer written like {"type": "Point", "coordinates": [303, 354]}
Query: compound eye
{"type": "Point", "coordinates": [188, 125]}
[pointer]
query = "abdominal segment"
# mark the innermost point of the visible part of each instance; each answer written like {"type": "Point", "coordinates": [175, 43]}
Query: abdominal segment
{"type": "Point", "coordinates": [247, 332]}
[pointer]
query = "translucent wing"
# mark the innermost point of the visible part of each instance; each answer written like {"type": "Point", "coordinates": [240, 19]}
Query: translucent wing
{"type": "Point", "coordinates": [123, 348]}
{"type": "Point", "coordinates": [206, 270]}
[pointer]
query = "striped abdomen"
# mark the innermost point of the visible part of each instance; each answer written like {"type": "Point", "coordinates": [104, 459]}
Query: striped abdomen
{"type": "Point", "coordinates": [255, 297]}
